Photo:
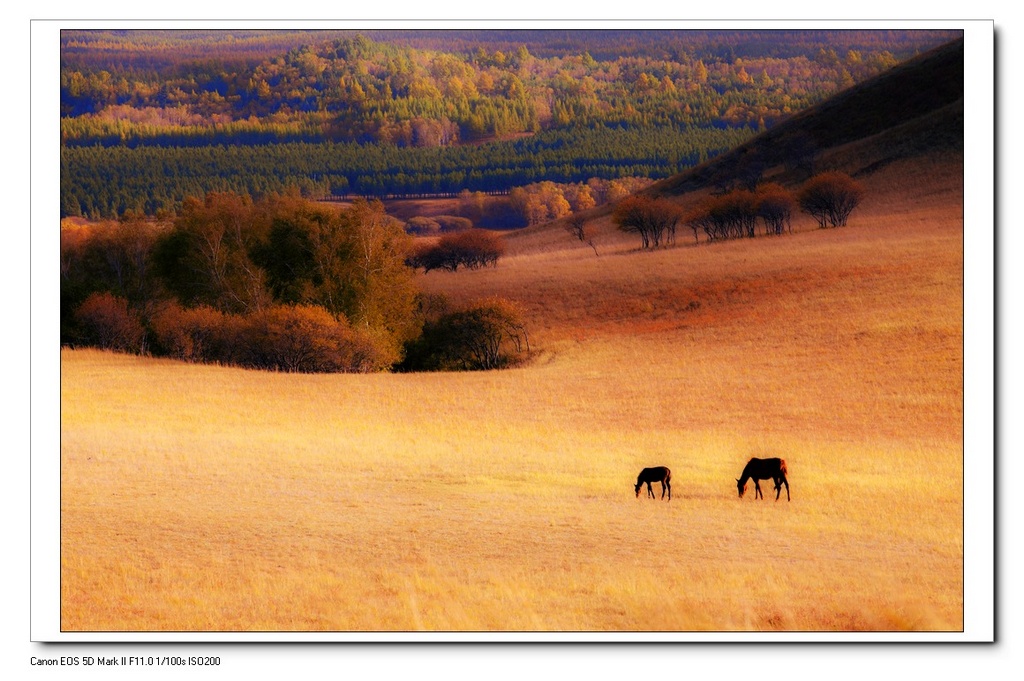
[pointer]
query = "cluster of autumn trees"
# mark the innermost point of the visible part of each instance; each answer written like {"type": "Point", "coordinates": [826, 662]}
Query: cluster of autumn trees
{"type": "Point", "coordinates": [535, 203]}
{"type": "Point", "coordinates": [828, 197]}
{"type": "Point", "coordinates": [279, 284]}
{"type": "Point", "coordinates": [470, 250]}
{"type": "Point", "coordinates": [736, 213]}
{"type": "Point", "coordinates": [654, 219]}
{"type": "Point", "coordinates": [545, 201]}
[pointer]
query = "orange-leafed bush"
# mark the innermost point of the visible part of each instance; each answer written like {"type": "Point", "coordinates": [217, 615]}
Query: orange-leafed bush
{"type": "Point", "coordinates": [738, 209]}
{"type": "Point", "coordinates": [199, 334]}
{"type": "Point", "coordinates": [305, 338]}
{"type": "Point", "coordinates": [294, 338]}
{"type": "Point", "coordinates": [734, 214]}
{"type": "Point", "coordinates": [109, 323]}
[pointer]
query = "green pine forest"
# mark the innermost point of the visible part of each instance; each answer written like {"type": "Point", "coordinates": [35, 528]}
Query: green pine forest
{"type": "Point", "coordinates": [149, 118]}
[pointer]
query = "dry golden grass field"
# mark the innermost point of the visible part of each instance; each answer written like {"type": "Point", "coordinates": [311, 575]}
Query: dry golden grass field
{"type": "Point", "coordinates": [201, 498]}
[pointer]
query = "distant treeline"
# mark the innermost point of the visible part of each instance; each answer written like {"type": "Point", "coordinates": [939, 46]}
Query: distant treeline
{"type": "Point", "coordinates": [141, 50]}
{"type": "Point", "coordinates": [108, 181]}
{"type": "Point", "coordinates": [148, 117]}
{"type": "Point", "coordinates": [356, 89]}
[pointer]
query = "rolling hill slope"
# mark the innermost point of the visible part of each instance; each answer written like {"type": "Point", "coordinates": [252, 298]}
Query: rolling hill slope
{"type": "Point", "coordinates": [913, 110]}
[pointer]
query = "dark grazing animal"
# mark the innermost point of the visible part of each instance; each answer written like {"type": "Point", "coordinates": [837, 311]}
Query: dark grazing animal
{"type": "Point", "coordinates": [657, 474]}
{"type": "Point", "coordinates": [764, 469]}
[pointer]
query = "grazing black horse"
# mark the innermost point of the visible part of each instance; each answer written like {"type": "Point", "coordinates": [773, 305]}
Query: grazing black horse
{"type": "Point", "coordinates": [764, 469]}
{"type": "Point", "coordinates": [657, 474]}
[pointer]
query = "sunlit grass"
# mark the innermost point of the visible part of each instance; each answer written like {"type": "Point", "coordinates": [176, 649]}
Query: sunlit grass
{"type": "Point", "coordinates": [202, 498]}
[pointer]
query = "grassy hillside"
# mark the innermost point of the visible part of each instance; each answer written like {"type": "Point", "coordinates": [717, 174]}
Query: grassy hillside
{"type": "Point", "coordinates": [914, 109]}
{"type": "Point", "coordinates": [201, 498]}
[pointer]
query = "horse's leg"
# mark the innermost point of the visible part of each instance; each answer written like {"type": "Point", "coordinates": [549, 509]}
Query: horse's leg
{"type": "Point", "coordinates": [650, 491]}
{"type": "Point", "coordinates": [786, 483]}
{"type": "Point", "coordinates": [757, 489]}
{"type": "Point", "coordinates": [668, 484]}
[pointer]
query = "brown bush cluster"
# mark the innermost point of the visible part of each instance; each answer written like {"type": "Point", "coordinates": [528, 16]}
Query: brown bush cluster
{"type": "Point", "coordinates": [471, 250]}
{"type": "Point", "coordinates": [300, 338]}
{"type": "Point", "coordinates": [107, 322]}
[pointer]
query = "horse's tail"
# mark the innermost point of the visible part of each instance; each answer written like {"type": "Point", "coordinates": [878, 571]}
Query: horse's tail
{"type": "Point", "coordinates": [782, 468]}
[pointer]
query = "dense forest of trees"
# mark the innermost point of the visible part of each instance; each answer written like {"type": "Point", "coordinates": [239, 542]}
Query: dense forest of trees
{"type": "Point", "coordinates": [100, 181]}
{"type": "Point", "coordinates": [149, 118]}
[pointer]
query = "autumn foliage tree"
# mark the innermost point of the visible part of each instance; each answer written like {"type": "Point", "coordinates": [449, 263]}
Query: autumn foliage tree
{"type": "Point", "coordinates": [195, 334]}
{"type": "Point", "coordinates": [112, 257]}
{"type": "Point", "coordinates": [775, 206]}
{"type": "Point", "coordinates": [830, 197]}
{"type": "Point", "coordinates": [540, 202]}
{"type": "Point", "coordinates": [241, 257]}
{"type": "Point", "coordinates": [207, 257]}
{"type": "Point", "coordinates": [200, 288]}
{"type": "Point", "coordinates": [576, 225]}
{"type": "Point", "coordinates": [653, 219]}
